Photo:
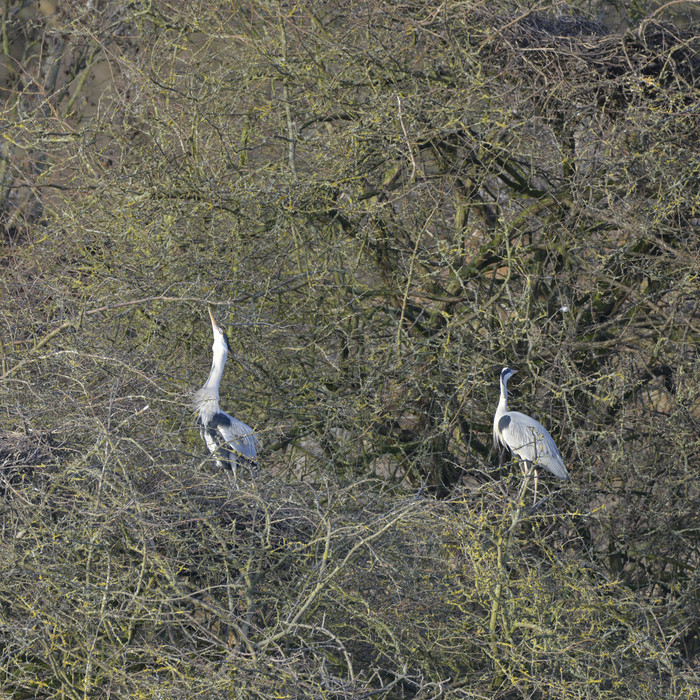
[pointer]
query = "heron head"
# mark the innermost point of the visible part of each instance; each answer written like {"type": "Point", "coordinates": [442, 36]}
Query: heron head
{"type": "Point", "coordinates": [220, 337]}
{"type": "Point", "coordinates": [506, 374]}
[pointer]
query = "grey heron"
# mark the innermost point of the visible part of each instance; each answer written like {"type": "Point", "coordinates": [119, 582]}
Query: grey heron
{"type": "Point", "coordinates": [232, 442]}
{"type": "Point", "coordinates": [525, 437]}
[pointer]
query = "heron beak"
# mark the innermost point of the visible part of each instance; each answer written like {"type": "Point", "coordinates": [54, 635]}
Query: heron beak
{"type": "Point", "coordinates": [214, 324]}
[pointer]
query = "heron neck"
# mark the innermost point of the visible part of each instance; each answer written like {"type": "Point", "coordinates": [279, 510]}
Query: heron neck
{"type": "Point", "coordinates": [217, 370]}
{"type": "Point", "coordinates": [503, 401]}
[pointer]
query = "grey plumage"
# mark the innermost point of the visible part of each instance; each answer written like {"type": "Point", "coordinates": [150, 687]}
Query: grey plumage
{"type": "Point", "coordinates": [232, 442]}
{"type": "Point", "coordinates": [524, 436]}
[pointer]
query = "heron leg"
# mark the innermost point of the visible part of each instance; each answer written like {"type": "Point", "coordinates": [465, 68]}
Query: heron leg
{"type": "Point", "coordinates": [529, 468]}
{"type": "Point", "coordinates": [534, 500]}
{"type": "Point", "coordinates": [232, 475]}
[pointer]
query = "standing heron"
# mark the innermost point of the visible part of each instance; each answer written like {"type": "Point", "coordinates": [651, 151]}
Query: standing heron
{"type": "Point", "coordinates": [525, 437]}
{"type": "Point", "coordinates": [231, 441]}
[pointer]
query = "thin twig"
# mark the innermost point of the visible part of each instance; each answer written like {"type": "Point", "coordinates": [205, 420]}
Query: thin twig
{"type": "Point", "coordinates": [408, 143]}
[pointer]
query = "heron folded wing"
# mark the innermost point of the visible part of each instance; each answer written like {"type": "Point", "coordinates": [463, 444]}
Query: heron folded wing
{"type": "Point", "coordinates": [238, 436]}
{"type": "Point", "coordinates": [529, 439]}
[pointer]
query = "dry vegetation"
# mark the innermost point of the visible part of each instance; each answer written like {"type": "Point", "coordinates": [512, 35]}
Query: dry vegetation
{"type": "Point", "coordinates": [386, 202]}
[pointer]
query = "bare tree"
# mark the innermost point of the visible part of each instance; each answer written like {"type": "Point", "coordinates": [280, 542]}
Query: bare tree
{"type": "Point", "coordinates": [386, 203]}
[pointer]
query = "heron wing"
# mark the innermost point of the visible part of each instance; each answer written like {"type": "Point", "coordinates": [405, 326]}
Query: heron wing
{"type": "Point", "coordinates": [236, 435]}
{"type": "Point", "coordinates": [529, 439]}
